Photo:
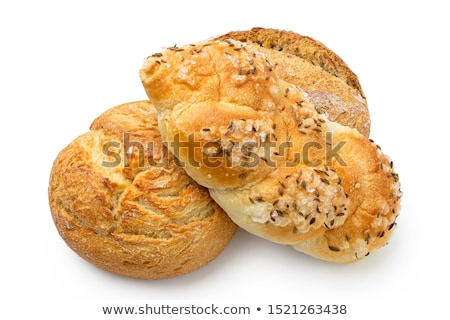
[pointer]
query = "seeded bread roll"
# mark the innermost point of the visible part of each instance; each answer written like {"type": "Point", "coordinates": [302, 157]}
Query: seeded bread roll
{"type": "Point", "coordinates": [329, 83]}
{"type": "Point", "coordinates": [121, 202]}
{"type": "Point", "coordinates": [279, 168]}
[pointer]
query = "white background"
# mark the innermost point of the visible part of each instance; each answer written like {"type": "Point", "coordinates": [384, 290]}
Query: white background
{"type": "Point", "coordinates": [62, 63]}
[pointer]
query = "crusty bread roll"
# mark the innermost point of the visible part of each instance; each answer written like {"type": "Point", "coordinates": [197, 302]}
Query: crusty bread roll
{"type": "Point", "coordinates": [330, 84]}
{"type": "Point", "coordinates": [121, 202]}
{"type": "Point", "coordinates": [278, 167]}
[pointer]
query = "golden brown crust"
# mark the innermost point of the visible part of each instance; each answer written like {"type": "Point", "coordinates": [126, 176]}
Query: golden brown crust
{"type": "Point", "coordinates": [279, 168]}
{"type": "Point", "coordinates": [330, 84]}
{"type": "Point", "coordinates": [375, 192]}
{"type": "Point", "coordinates": [121, 202]}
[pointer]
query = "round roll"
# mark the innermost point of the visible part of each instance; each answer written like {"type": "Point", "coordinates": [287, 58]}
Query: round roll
{"type": "Point", "coordinates": [280, 169]}
{"type": "Point", "coordinates": [122, 202]}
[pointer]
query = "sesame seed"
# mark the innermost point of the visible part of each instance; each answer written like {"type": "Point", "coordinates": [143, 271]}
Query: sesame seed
{"type": "Point", "coordinates": [231, 44]}
{"type": "Point", "coordinates": [303, 184]}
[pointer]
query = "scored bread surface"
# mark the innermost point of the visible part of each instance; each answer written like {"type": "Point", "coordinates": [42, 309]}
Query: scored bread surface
{"type": "Point", "coordinates": [121, 201]}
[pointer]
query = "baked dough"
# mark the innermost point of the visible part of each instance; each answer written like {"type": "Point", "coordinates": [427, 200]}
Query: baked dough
{"type": "Point", "coordinates": [121, 202]}
{"type": "Point", "coordinates": [278, 167]}
{"type": "Point", "coordinates": [331, 86]}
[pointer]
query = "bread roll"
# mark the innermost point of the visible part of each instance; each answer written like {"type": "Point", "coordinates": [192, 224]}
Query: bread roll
{"type": "Point", "coordinates": [329, 83]}
{"type": "Point", "coordinates": [278, 167]}
{"type": "Point", "coordinates": [121, 202]}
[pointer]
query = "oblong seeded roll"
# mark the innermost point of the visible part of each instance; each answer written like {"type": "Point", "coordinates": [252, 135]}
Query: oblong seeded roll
{"type": "Point", "coordinates": [121, 202]}
{"type": "Point", "coordinates": [331, 86]}
{"type": "Point", "coordinates": [278, 167]}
